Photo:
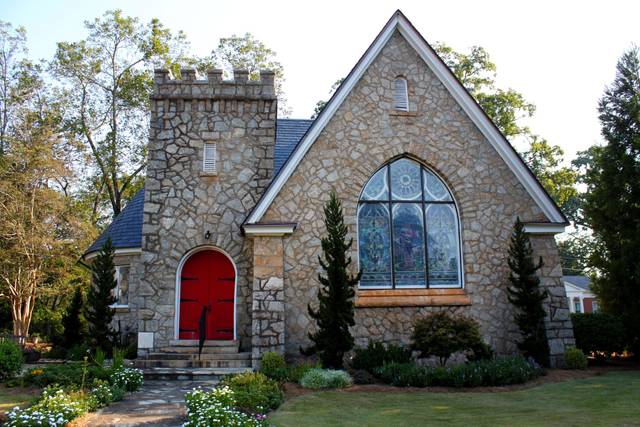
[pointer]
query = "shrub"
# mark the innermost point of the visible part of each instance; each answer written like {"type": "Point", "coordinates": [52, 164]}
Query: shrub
{"type": "Point", "coordinates": [496, 372]}
{"type": "Point", "coordinates": [129, 379]}
{"type": "Point", "coordinates": [441, 335]}
{"type": "Point", "coordinates": [273, 366]}
{"type": "Point", "coordinates": [10, 359]}
{"type": "Point", "coordinates": [575, 359]}
{"type": "Point", "coordinates": [403, 375]}
{"type": "Point", "coordinates": [325, 378]}
{"type": "Point", "coordinates": [598, 333]}
{"type": "Point", "coordinates": [66, 374]}
{"type": "Point", "coordinates": [215, 408]}
{"type": "Point", "coordinates": [296, 371]}
{"type": "Point", "coordinates": [376, 355]}
{"type": "Point", "coordinates": [117, 393]}
{"type": "Point", "coordinates": [54, 409]}
{"type": "Point", "coordinates": [253, 391]}
{"type": "Point", "coordinates": [101, 395]}
{"type": "Point", "coordinates": [360, 376]}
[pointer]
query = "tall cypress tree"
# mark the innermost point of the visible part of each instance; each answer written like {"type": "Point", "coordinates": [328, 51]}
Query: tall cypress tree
{"type": "Point", "coordinates": [335, 313]}
{"type": "Point", "coordinates": [527, 296]}
{"type": "Point", "coordinates": [74, 322]}
{"type": "Point", "coordinates": [99, 313]}
{"type": "Point", "coordinates": [612, 202]}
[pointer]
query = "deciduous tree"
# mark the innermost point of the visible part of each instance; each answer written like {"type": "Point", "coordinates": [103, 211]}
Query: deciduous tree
{"type": "Point", "coordinates": [612, 201]}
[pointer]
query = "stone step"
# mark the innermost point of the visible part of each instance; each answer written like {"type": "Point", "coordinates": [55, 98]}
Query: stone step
{"type": "Point", "coordinates": [200, 374]}
{"type": "Point", "coordinates": [207, 343]}
{"type": "Point", "coordinates": [194, 350]}
{"type": "Point", "coordinates": [184, 364]}
{"type": "Point", "coordinates": [195, 356]}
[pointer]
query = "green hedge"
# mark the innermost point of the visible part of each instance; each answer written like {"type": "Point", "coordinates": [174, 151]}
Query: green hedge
{"type": "Point", "coordinates": [495, 372]}
{"type": "Point", "coordinates": [253, 391]}
{"type": "Point", "coordinates": [377, 354]}
{"type": "Point", "coordinates": [598, 332]}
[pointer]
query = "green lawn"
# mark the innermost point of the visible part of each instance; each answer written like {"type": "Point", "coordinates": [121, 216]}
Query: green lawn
{"type": "Point", "coordinates": [608, 400]}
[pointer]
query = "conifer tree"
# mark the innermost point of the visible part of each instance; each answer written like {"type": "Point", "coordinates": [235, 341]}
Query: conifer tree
{"type": "Point", "coordinates": [74, 322]}
{"type": "Point", "coordinates": [335, 312]}
{"type": "Point", "coordinates": [612, 200]}
{"type": "Point", "coordinates": [99, 312]}
{"type": "Point", "coordinates": [527, 296]}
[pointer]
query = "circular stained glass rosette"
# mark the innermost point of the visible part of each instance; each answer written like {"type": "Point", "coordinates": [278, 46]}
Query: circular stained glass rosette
{"type": "Point", "coordinates": [405, 180]}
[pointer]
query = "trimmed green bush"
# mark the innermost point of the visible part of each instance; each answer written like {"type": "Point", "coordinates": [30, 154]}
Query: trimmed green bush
{"type": "Point", "coordinates": [273, 366]}
{"type": "Point", "coordinates": [325, 378]}
{"type": "Point", "coordinates": [441, 335]}
{"type": "Point", "coordinates": [296, 371]}
{"type": "Point", "coordinates": [575, 359]}
{"type": "Point", "coordinates": [254, 392]}
{"type": "Point", "coordinates": [496, 372]}
{"type": "Point", "coordinates": [599, 333]}
{"type": "Point", "coordinates": [377, 354]}
{"type": "Point", "coordinates": [10, 359]}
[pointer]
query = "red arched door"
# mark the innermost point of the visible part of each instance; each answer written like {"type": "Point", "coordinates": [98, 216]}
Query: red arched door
{"type": "Point", "coordinates": [207, 284]}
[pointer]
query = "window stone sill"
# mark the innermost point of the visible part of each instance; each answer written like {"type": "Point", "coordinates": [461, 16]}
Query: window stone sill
{"type": "Point", "coordinates": [400, 113]}
{"type": "Point", "coordinates": [411, 298]}
{"type": "Point", "coordinates": [120, 308]}
{"type": "Point", "coordinates": [208, 174]}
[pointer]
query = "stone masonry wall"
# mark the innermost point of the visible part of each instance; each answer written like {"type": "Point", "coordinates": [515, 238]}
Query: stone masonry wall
{"type": "Point", "coordinates": [182, 204]}
{"type": "Point", "coordinates": [268, 298]}
{"type": "Point", "coordinates": [365, 133]}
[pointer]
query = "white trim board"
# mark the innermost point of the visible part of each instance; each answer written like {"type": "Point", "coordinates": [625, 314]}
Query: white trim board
{"type": "Point", "coordinates": [125, 251]}
{"type": "Point", "coordinates": [399, 22]}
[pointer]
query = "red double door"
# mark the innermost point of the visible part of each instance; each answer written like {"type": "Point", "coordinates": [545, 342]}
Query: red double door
{"type": "Point", "coordinates": [207, 285]}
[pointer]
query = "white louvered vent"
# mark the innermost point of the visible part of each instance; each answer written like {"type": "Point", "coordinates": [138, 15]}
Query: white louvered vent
{"type": "Point", "coordinates": [400, 96]}
{"type": "Point", "coordinates": [209, 158]}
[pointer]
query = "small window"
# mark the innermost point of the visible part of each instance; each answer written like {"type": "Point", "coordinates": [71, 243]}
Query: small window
{"type": "Point", "coordinates": [121, 291]}
{"type": "Point", "coordinates": [209, 158]}
{"type": "Point", "coordinates": [401, 97]}
{"type": "Point", "coordinates": [577, 306]}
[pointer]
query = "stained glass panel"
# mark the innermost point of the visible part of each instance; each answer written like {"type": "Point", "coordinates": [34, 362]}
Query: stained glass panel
{"type": "Point", "coordinates": [374, 245]}
{"type": "Point", "coordinates": [408, 245]}
{"type": "Point", "coordinates": [434, 189]}
{"type": "Point", "coordinates": [377, 188]}
{"type": "Point", "coordinates": [442, 241]}
{"type": "Point", "coordinates": [405, 180]}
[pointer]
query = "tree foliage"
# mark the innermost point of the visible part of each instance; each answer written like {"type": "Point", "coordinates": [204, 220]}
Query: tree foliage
{"type": "Point", "coordinates": [247, 53]}
{"type": "Point", "coordinates": [612, 201]}
{"type": "Point", "coordinates": [108, 77]}
{"type": "Point", "coordinates": [100, 298]}
{"type": "Point", "coordinates": [335, 312]}
{"type": "Point", "coordinates": [321, 104]}
{"type": "Point", "coordinates": [575, 251]}
{"type": "Point", "coordinates": [527, 296]}
{"type": "Point", "coordinates": [74, 322]}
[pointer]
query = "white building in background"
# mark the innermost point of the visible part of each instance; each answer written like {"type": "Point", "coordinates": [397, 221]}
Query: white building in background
{"type": "Point", "coordinates": [581, 299]}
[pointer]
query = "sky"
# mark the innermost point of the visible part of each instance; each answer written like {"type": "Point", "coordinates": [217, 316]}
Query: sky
{"type": "Point", "coordinates": [559, 54]}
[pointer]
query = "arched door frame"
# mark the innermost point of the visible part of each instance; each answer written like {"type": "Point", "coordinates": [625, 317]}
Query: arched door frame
{"type": "Point", "coordinates": [183, 260]}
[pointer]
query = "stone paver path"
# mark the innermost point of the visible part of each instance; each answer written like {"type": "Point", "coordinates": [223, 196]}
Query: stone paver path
{"type": "Point", "coordinates": [157, 403]}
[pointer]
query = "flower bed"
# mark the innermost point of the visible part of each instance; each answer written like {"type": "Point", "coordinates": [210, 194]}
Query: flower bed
{"type": "Point", "coordinates": [58, 406]}
{"type": "Point", "coordinates": [216, 408]}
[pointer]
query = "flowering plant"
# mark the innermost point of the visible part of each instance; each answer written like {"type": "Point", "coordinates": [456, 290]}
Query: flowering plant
{"type": "Point", "coordinates": [129, 379]}
{"type": "Point", "coordinates": [54, 409]}
{"type": "Point", "coordinates": [214, 408]}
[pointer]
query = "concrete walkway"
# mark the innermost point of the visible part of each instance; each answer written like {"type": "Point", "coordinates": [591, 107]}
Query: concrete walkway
{"type": "Point", "coordinates": [157, 403]}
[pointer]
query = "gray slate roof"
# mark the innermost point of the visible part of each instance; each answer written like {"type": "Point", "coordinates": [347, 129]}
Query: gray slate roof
{"type": "Point", "coordinates": [126, 229]}
{"type": "Point", "coordinates": [581, 282]}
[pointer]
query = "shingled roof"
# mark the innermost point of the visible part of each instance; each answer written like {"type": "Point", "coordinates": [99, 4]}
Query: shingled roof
{"type": "Point", "coordinates": [126, 229]}
{"type": "Point", "coordinates": [581, 282]}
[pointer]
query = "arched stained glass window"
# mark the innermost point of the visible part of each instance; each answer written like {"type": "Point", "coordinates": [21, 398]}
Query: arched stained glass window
{"type": "Point", "coordinates": [408, 230]}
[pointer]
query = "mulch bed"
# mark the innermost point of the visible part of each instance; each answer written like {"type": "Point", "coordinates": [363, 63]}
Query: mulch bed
{"type": "Point", "coordinates": [292, 390]}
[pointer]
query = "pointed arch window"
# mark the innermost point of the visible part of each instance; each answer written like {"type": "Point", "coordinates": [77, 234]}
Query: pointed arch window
{"type": "Point", "coordinates": [408, 230]}
{"type": "Point", "coordinates": [400, 95]}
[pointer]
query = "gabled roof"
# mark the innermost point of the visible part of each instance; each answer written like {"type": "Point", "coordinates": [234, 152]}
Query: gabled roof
{"type": "Point", "coordinates": [581, 282]}
{"type": "Point", "coordinates": [126, 229]}
{"type": "Point", "coordinates": [400, 23]}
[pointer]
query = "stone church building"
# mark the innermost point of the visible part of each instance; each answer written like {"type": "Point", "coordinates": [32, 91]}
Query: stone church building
{"type": "Point", "coordinates": [225, 237]}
